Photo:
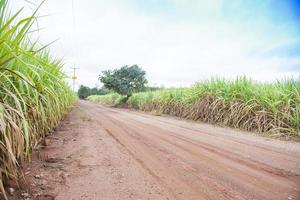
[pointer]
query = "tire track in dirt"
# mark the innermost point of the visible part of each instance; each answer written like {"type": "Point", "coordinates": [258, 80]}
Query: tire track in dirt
{"type": "Point", "coordinates": [272, 182]}
{"type": "Point", "coordinates": [118, 154]}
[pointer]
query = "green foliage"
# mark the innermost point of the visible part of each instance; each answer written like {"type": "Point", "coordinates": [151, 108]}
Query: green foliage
{"type": "Point", "coordinates": [84, 91]}
{"type": "Point", "coordinates": [33, 92]}
{"type": "Point", "coordinates": [109, 99]}
{"type": "Point", "coordinates": [125, 80]}
{"type": "Point", "coordinates": [150, 88]}
{"type": "Point", "coordinates": [268, 108]}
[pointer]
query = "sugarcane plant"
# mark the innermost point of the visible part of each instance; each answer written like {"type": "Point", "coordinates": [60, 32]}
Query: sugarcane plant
{"type": "Point", "coordinates": [266, 108]}
{"type": "Point", "coordinates": [34, 94]}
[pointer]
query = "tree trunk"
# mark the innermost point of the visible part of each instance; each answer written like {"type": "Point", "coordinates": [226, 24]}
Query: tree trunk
{"type": "Point", "coordinates": [127, 97]}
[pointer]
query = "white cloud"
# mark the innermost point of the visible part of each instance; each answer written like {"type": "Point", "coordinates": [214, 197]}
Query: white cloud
{"type": "Point", "coordinates": [109, 34]}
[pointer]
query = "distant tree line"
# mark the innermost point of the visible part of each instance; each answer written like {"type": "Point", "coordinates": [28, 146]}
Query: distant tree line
{"type": "Point", "coordinates": [151, 88]}
{"type": "Point", "coordinates": [85, 91]}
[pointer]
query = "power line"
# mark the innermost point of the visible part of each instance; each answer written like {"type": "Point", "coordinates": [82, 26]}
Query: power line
{"type": "Point", "coordinates": [74, 77]}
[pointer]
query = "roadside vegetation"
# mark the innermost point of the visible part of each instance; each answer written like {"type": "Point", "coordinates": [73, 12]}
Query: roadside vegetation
{"type": "Point", "coordinates": [85, 91]}
{"type": "Point", "coordinates": [265, 108]}
{"type": "Point", "coordinates": [33, 92]}
{"type": "Point", "coordinates": [112, 99]}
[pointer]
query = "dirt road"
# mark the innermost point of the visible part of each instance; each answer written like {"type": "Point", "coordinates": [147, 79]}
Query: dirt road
{"type": "Point", "coordinates": [106, 153]}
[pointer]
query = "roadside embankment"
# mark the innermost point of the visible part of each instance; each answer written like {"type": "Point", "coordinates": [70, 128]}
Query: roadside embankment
{"type": "Point", "coordinates": [265, 108]}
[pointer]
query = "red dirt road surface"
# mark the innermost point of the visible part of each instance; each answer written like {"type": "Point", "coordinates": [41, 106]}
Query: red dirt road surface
{"type": "Point", "coordinates": [108, 153]}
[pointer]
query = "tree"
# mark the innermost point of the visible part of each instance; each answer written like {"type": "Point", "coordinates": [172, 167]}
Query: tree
{"type": "Point", "coordinates": [103, 91]}
{"type": "Point", "coordinates": [85, 91]}
{"type": "Point", "coordinates": [125, 80]}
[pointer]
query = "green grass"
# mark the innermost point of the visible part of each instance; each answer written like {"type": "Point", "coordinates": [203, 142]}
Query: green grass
{"type": "Point", "coordinates": [112, 99]}
{"type": "Point", "coordinates": [265, 108]}
{"type": "Point", "coordinates": [33, 92]}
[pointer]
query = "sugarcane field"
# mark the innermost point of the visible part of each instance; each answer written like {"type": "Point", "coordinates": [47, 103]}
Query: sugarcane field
{"type": "Point", "coordinates": [149, 100]}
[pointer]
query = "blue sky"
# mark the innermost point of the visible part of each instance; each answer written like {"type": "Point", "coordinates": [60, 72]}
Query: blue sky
{"type": "Point", "coordinates": [270, 20]}
{"type": "Point", "coordinates": [178, 42]}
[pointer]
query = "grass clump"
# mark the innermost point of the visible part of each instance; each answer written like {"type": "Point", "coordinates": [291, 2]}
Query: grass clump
{"type": "Point", "coordinates": [266, 108]}
{"type": "Point", "coordinates": [112, 99]}
{"type": "Point", "coordinates": [33, 92]}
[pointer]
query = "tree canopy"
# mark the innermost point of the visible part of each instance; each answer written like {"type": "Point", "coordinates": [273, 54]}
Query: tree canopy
{"type": "Point", "coordinates": [125, 80]}
{"type": "Point", "coordinates": [85, 91]}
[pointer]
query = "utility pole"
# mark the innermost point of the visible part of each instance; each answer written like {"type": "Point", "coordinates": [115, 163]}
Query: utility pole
{"type": "Point", "coordinates": [74, 77]}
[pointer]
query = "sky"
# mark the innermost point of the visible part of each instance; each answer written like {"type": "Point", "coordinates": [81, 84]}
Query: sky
{"type": "Point", "coordinates": [177, 42]}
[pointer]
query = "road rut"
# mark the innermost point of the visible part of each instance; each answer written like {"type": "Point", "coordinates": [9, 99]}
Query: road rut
{"type": "Point", "coordinates": [123, 154]}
